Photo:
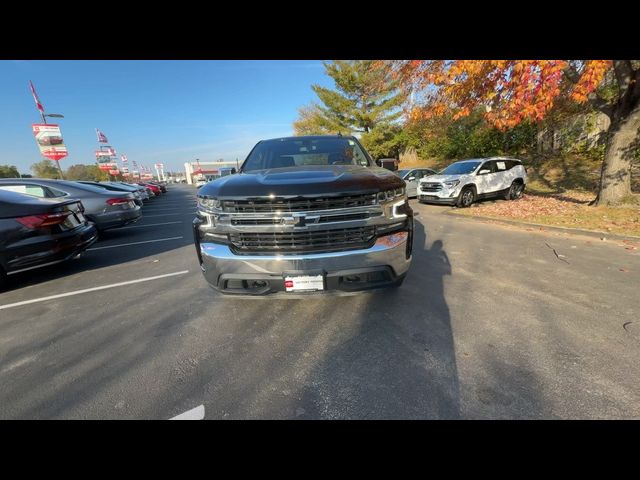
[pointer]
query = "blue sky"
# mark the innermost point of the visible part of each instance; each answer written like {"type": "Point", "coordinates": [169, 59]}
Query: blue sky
{"type": "Point", "coordinates": [154, 111]}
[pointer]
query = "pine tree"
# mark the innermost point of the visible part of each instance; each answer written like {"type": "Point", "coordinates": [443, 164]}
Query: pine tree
{"type": "Point", "coordinates": [360, 102]}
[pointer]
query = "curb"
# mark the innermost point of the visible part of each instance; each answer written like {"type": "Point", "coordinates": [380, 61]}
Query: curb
{"type": "Point", "coordinates": [574, 231]}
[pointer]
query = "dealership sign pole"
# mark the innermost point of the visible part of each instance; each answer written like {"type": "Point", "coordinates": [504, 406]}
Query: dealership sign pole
{"type": "Point", "coordinates": [48, 136]}
{"type": "Point", "coordinates": [106, 156]}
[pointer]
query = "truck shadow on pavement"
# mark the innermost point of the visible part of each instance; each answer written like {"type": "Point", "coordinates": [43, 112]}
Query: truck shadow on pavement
{"type": "Point", "coordinates": [401, 362]}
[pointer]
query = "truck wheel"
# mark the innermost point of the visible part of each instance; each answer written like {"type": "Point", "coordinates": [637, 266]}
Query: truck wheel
{"type": "Point", "coordinates": [466, 198]}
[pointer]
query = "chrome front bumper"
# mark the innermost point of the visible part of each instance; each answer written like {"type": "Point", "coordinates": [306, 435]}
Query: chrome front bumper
{"type": "Point", "coordinates": [384, 263]}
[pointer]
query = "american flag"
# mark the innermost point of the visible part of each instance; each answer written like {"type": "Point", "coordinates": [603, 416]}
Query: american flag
{"type": "Point", "coordinates": [35, 97]}
{"type": "Point", "coordinates": [101, 137]}
{"type": "Point", "coordinates": [123, 158]}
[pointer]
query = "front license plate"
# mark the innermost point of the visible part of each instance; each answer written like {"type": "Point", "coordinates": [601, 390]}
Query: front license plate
{"type": "Point", "coordinates": [304, 283]}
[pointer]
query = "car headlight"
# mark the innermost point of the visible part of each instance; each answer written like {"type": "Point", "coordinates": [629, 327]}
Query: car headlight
{"type": "Point", "coordinates": [207, 203]}
{"type": "Point", "coordinates": [389, 195]}
{"type": "Point", "coordinates": [451, 184]}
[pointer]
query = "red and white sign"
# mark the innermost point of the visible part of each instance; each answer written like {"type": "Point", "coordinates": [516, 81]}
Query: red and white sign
{"type": "Point", "coordinates": [50, 141]}
{"type": "Point", "coordinates": [114, 172]}
{"type": "Point", "coordinates": [108, 166]}
{"type": "Point", "coordinates": [102, 153]}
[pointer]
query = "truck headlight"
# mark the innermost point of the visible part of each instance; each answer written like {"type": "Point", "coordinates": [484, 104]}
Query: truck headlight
{"type": "Point", "coordinates": [451, 184]}
{"type": "Point", "coordinates": [209, 204]}
{"type": "Point", "coordinates": [389, 195]}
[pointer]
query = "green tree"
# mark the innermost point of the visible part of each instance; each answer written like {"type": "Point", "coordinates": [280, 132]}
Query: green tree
{"type": "Point", "coordinates": [45, 169]}
{"type": "Point", "coordinates": [385, 141]}
{"type": "Point", "coordinates": [85, 172]}
{"type": "Point", "coordinates": [9, 171]}
{"type": "Point", "coordinates": [361, 101]}
{"type": "Point", "coordinates": [311, 121]}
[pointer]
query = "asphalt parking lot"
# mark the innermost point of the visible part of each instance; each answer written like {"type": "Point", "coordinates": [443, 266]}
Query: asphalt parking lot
{"type": "Point", "coordinates": [488, 324]}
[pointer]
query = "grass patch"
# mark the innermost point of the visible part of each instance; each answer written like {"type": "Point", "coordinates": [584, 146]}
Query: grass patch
{"type": "Point", "coordinates": [570, 211]}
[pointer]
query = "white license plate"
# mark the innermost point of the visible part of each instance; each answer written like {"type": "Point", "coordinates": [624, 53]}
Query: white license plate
{"type": "Point", "coordinates": [305, 283]}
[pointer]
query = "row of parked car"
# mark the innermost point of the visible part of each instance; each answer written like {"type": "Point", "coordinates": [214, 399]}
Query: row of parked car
{"type": "Point", "coordinates": [45, 221]}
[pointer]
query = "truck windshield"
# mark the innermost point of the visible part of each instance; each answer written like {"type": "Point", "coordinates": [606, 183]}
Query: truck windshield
{"type": "Point", "coordinates": [300, 152]}
{"type": "Point", "coordinates": [460, 168]}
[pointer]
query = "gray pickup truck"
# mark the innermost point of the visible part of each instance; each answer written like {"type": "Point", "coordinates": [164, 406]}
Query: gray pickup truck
{"type": "Point", "coordinates": [304, 215]}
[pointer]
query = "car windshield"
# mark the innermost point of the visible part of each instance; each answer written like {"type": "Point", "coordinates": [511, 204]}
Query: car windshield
{"type": "Point", "coordinates": [299, 152]}
{"type": "Point", "coordinates": [402, 173]}
{"type": "Point", "coordinates": [460, 168]}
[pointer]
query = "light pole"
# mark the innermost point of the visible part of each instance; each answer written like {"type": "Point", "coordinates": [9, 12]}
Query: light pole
{"type": "Point", "coordinates": [44, 119]}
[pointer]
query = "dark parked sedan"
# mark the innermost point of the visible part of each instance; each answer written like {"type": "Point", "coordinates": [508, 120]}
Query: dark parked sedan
{"type": "Point", "coordinates": [115, 188]}
{"type": "Point", "coordinates": [105, 208]}
{"type": "Point", "coordinates": [35, 232]}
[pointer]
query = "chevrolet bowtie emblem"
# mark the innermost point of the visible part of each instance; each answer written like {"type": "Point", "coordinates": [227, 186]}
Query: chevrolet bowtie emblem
{"type": "Point", "coordinates": [298, 220]}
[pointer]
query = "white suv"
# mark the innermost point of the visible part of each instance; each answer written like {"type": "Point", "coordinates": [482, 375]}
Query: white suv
{"type": "Point", "coordinates": [464, 182]}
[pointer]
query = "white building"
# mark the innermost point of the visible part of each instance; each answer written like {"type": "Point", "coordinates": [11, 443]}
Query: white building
{"type": "Point", "coordinates": [210, 170]}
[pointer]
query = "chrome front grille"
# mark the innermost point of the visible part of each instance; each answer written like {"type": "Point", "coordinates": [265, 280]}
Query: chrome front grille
{"type": "Point", "coordinates": [337, 239]}
{"type": "Point", "coordinates": [256, 221]}
{"type": "Point", "coordinates": [308, 204]}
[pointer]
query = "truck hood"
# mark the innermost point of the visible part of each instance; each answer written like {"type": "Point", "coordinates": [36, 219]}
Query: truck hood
{"type": "Point", "coordinates": [301, 181]}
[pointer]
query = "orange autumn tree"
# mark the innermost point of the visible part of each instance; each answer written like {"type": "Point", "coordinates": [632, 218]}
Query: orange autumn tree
{"type": "Point", "coordinates": [512, 91]}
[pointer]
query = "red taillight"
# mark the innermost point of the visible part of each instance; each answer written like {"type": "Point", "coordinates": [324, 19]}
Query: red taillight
{"type": "Point", "coordinates": [117, 201]}
{"type": "Point", "coordinates": [46, 220]}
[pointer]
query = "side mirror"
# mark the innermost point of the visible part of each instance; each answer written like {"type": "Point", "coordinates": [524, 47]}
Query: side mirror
{"type": "Point", "coordinates": [411, 179]}
{"type": "Point", "coordinates": [388, 163]}
{"type": "Point", "coordinates": [484, 171]}
{"type": "Point", "coordinates": [233, 171]}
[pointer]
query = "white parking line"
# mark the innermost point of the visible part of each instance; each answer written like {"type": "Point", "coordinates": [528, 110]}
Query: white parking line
{"type": "Point", "coordinates": [193, 414]}
{"type": "Point", "coordinates": [94, 289]}
{"type": "Point", "coordinates": [151, 225]}
{"type": "Point", "coordinates": [135, 243]}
